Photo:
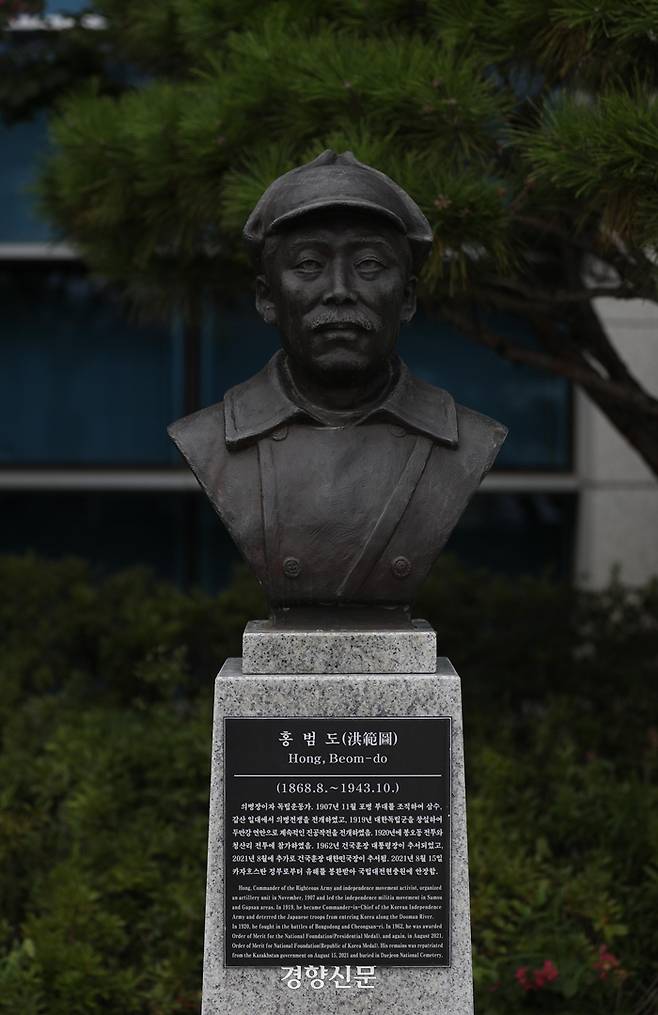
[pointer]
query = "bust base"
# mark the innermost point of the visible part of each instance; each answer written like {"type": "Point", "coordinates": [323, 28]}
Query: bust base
{"type": "Point", "coordinates": [269, 648]}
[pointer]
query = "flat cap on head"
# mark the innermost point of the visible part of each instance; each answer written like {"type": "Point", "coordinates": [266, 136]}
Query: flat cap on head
{"type": "Point", "coordinates": [337, 181]}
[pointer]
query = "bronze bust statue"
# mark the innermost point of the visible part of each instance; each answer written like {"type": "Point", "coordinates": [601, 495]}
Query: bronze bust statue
{"type": "Point", "coordinates": [338, 474]}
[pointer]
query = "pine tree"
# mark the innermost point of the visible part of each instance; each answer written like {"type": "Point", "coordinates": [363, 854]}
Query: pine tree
{"type": "Point", "coordinates": [527, 131]}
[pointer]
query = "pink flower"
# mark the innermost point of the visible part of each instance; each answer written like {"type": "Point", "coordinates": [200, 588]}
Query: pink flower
{"type": "Point", "coordinates": [605, 963]}
{"type": "Point", "coordinates": [546, 974]}
{"type": "Point", "coordinates": [540, 977]}
{"type": "Point", "coordinates": [521, 977]}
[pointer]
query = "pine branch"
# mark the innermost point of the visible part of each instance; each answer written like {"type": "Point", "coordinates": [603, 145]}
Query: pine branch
{"type": "Point", "coordinates": [638, 271]}
{"type": "Point", "coordinates": [578, 373]}
{"type": "Point", "coordinates": [542, 297]}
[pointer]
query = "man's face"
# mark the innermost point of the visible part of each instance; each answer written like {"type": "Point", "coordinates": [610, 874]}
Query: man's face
{"type": "Point", "coordinates": [338, 286]}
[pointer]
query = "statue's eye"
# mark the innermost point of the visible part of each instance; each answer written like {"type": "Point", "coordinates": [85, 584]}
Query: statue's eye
{"type": "Point", "coordinates": [370, 264]}
{"type": "Point", "coordinates": [308, 265]}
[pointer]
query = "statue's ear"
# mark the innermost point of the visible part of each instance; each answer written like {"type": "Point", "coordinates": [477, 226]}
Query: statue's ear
{"type": "Point", "coordinates": [264, 302]}
{"type": "Point", "coordinates": [409, 303]}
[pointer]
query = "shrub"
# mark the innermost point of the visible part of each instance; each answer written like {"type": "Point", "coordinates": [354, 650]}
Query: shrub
{"type": "Point", "coordinates": [105, 723]}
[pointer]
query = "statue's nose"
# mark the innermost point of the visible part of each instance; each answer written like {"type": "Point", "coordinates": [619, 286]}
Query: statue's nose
{"type": "Point", "coordinates": [339, 289]}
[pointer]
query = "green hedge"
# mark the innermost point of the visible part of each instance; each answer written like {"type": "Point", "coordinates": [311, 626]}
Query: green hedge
{"type": "Point", "coordinates": [105, 722]}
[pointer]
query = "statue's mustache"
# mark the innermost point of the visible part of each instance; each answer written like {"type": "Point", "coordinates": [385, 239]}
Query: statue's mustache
{"type": "Point", "coordinates": [327, 319]}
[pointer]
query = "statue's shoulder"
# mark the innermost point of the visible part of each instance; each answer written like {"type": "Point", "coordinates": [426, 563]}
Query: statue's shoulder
{"type": "Point", "coordinates": [257, 406]}
{"type": "Point", "coordinates": [247, 412]}
{"type": "Point", "coordinates": [477, 429]}
{"type": "Point", "coordinates": [431, 410]}
{"type": "Point", "coordinates": [480, 440]}
{"type": "Point", "coordinates": [199, 435]}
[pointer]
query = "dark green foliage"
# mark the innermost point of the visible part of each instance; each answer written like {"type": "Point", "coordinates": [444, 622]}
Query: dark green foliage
{"type": "Point", "coordinates": [105, 721]}
{"type": "Point", "coordinates": [455, 100]}
{"type": "Point", "coordinates": [104, 724]}
{"type": "Point", "coordinates": [560, 701]}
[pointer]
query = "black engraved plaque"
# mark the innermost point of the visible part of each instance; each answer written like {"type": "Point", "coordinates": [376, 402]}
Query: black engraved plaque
{"type": "Point", "coordinates": [337, 841]}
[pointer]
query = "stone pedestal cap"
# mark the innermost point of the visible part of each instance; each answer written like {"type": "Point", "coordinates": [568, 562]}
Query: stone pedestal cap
{"type": "Point", "coordinates": [267, 648]}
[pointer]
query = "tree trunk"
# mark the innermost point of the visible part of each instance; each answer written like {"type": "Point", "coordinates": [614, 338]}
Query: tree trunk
{"type": "Point", "coordinates": [639, 428]}
{"type": "Point", "coordinates": [574, 344]}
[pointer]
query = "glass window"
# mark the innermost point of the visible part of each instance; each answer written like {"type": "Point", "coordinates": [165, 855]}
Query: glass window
{"type": "Point", "coordinates": [177, 535]}
{"type": "Point", "coordinates": [66, 6]}
{"type": "Point", "coordinates": [517, 533]}
{"type": "Point", "coordinates": [22, 145]}
{"type": "Point", "coordinates": [111, 530]}
{"type": "Point", "coordinates": [80, 385]}
{"type": "Point", "coordinates": [236, 343]}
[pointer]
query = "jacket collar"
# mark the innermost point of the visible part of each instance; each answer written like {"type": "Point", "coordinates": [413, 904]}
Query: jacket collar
{"type": "Point", "coordinates": [261, 404]}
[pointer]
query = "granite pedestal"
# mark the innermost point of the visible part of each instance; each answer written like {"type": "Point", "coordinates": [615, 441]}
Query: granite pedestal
{"type": "Point", "coordinates": [403, 990]}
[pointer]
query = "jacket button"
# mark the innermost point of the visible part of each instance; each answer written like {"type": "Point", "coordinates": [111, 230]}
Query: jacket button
{"type": "Point", "coordinates": [279, 434]}
{"type": "Point", "coordinates": [292, 567]}
{"type": "Point", "coordinates": [401, 567]}
{"type": "Point", "coordinates": [398, 431]}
